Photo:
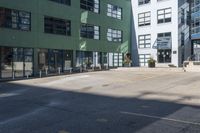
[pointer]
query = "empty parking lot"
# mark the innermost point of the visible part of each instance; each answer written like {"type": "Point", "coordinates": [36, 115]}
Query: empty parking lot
{"type": "Point", "coordinates": [116, 101]}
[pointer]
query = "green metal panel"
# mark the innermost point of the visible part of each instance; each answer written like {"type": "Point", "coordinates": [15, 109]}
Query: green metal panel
{"type": "Point", "coordinates": [36, 38]}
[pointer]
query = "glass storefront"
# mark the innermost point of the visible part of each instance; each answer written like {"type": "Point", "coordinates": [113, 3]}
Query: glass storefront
{"type": "Point", "coordinates": [115, 59]}
{"type": "Point", "coordinates": [91, 59]}
{"type": "Point", "coordinates": [15, 62]}
{"type": "Point", "coordinates": [6, 62]}
{"type": "Point", "coordinates": [18, 62]}
{"type": "Point", "coordinates": [54, 61]}
{"type": "Point", "coordinates": [84, 59]}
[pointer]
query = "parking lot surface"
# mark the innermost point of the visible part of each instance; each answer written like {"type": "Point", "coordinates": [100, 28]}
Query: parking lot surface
{"type": "Point", "coordinates": [113, 101]}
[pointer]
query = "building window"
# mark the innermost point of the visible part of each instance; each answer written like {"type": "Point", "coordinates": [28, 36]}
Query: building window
{"type": "Point", "coordinates": [66, 2]}
{"type": "Point", "coordinates": [114, 35]}
{"type": "Point", "coordinates": [57, 26]}
{"type": "Point", "coordinates": [144, 19]}
{"type": "Point", "coordinates": [164, 15]}
{"type": "Point", "coordinates": [143, 59]}
{"type": "Point", "coordinates": [90, 31]}
{"type": "Point", "coordinates": [90, 5]}
{"type": "Point", "coordinates": [114, 11]}
{"type": "Point", "coordinates": [182, 38]}
{"type": "Point", "coordinates": [142, 2]}
{"type": "Point", "coordinates": [15, 19]}
{"type": "Point", "coordinates": [144, 41]}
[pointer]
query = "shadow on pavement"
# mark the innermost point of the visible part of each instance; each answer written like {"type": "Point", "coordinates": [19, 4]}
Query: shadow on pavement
{"type": "Point", "coordinates": [30, 109]}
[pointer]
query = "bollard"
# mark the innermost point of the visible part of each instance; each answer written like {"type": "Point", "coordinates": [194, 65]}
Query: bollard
{"type": "Point", "coordinates": [70, 70]}
{"type": "Point", "coordinates": [59, 70]}
{"type": "Point", "coordinates": [46, 71]}
{"type": "Point", "coordinates": [13, 75]}
{"type": "Point", "coordinates": [27, 76]}
{"type": "Point", "coordinates": [40, 74]}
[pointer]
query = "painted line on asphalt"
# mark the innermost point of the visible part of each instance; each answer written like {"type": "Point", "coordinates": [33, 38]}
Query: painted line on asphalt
{"type": "Point", "coordinates": [161, 118]}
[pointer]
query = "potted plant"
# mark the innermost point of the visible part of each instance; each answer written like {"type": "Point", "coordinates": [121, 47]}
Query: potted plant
{"type": "Point", "coordinates": [151, 63]}
{"type": "Point", "coordinates": [127, 60]}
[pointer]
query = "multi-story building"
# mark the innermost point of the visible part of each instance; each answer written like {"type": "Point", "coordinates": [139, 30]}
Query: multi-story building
{"type": "Point", "coordinates": [161, 30]}
{"type": "Point", "coordinates": [55, 35]}
{"type": "Point", "coordinates": [195, 29]}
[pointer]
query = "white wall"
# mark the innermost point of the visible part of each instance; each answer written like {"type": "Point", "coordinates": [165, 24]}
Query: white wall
{"type": "Point", "coordinates": [155, 28]}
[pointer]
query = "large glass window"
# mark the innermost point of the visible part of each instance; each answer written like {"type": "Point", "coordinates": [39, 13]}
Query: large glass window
{"type": "Point", "coordinates": [90, 31]}
{"type": "Point", "coordinates": [143, 59]}
{"type": "Point", "coordinates": [144, 19]}
{"type": "Point", "coordinates": [84, 59]}
{"type": "Point", "coordinates": [164, 15]}
{"type": "Point", "coordinates": [6, 62]}
{"type": "Point", "coordinates": [144, 41]}
{"type": "Point", "coordinates": [114, 11]}
{"type": "Point", "coordinates": [68, 59]}
{"type": "Point", "coordinates": [15, 19]}
{"type": "Point", "coordinates": [16, 62]}
{"type": "Point", "coordinates": [66, 2]}
{"type": "Point", "coordinates": [57, 26]}
{"type": "Point", "coordinates": [43, 59]}
{"type": "Point", "coordinates": [28, 61]}
{"type": "Point", "coordinates": [55, 60]}
{"type": "Point", "coordinates": [114, 35]}
{"type": "Point", "coordinates": [90, 5]}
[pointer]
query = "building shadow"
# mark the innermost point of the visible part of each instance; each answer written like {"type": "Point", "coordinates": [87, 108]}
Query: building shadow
{"type": "Point", "coordinates": [31, 109]}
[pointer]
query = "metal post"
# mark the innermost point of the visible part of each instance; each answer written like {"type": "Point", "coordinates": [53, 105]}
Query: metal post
{"type": "Point", "coordinates": [13, 75]}
{"type": "Point", "coordinates": [46, 70]}
{"type": "Point", "coordinates": [59, 70]}
{"type": "Point", "coordinates": [40, 74]}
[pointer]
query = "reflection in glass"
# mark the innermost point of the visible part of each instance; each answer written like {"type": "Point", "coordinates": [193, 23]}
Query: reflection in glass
{"type": "Point", "coordinates": [6, 62]}
{"type": "Point", "coordinates": [28, 62]}
{"type": "Point", "coordinates": [43, 59]}
{"type": "Point", "coordinates": [18, 63]}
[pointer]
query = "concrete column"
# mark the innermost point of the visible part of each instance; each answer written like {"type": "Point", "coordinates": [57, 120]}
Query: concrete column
{"type": "Point", "coordinates": [35, 62]}
{"type": "Point", "coordinates": [74, 58]}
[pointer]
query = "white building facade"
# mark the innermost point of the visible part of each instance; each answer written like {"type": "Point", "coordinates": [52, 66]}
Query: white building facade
{"type": "Point", "coordinates": [160, 30]}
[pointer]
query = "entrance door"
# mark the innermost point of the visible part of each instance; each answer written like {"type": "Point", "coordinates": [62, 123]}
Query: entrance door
{"type": "Point", "coordinates": [18, 62]}
{"type": "Point", "coordinates": [164, 56]}
{"type": "Point", "coordinates": [55, 61]}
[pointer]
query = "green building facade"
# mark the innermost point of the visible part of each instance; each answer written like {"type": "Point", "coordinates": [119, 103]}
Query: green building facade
{"type": "Point", "coordinates": [54, 36]}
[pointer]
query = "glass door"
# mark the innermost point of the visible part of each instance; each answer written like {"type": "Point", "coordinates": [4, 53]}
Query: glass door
{"type": "Point", "coordinates": [18, 62]}
{"type": "Point", "coordinates": [28, 62]}
{"type": "Point", "coordinates": [55, 61]}
{"type": "Point", "coordinates": [6, 62]}
{"type": "Point", "coordinates": [164, 56]}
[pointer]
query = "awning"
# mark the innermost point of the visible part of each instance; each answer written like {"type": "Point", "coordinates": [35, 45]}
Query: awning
{"type": "Point", "coordinates": [163, 43]}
